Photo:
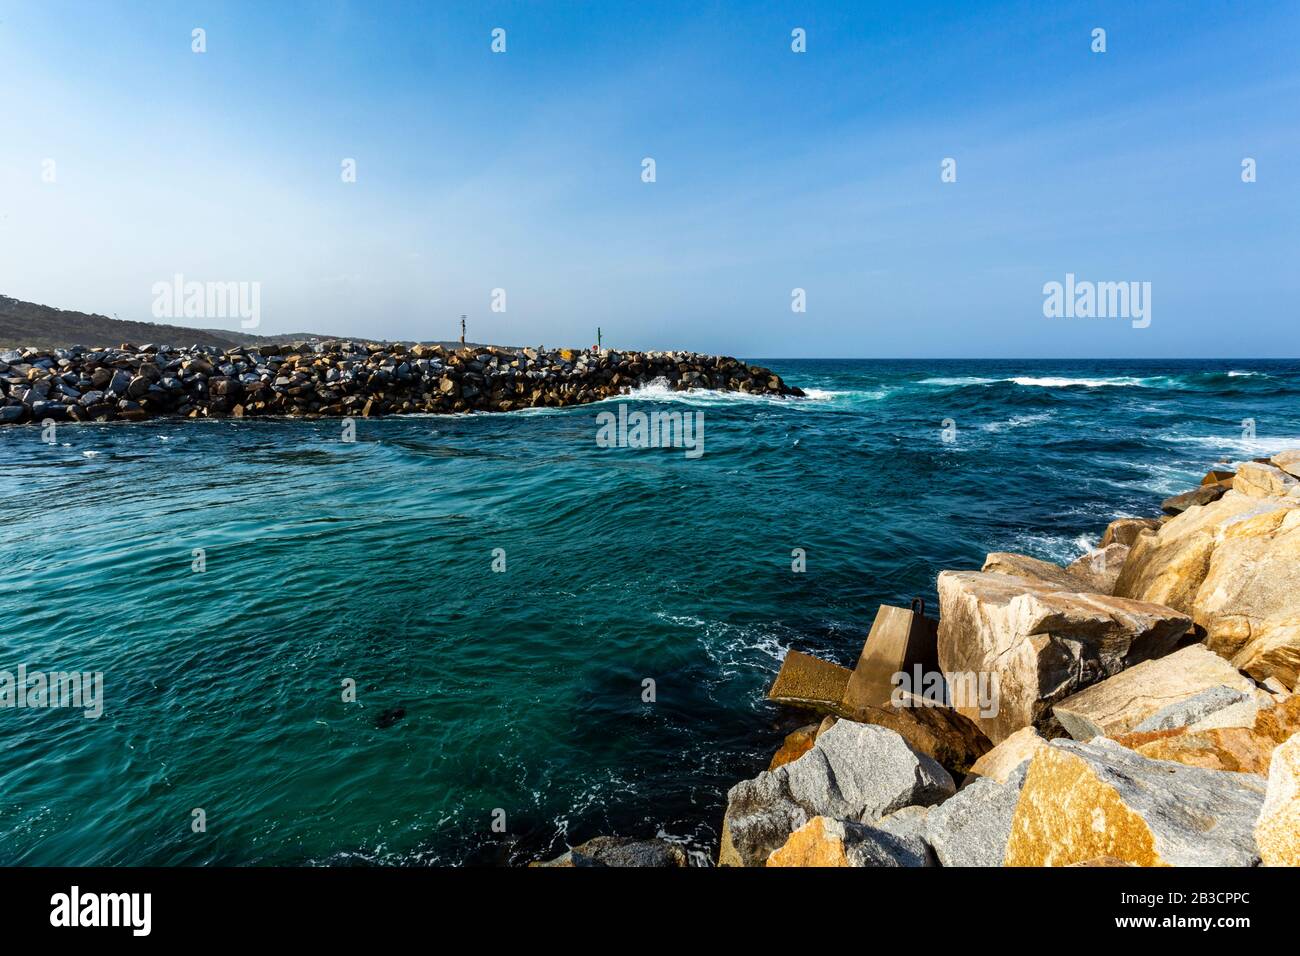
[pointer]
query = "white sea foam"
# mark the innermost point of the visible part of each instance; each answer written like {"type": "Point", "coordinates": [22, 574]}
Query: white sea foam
{"type": "Point", "coordinates": [1235, 445]}
{"type": "Point", "coordinates": [822, 394]}
{"type": "Point", "coordinates": [1040, 381]}
{"type": "Point", "coordinates": [1060, 548]}
{"type": "Point", "coordinates": [733, 649]}
{"type": "Point", "coordinates": [660, 390]}
{"type": "Point", "coordinates": [1158, 479]}
{"type": "Point", "coordinates": [968, 380]}
{"type": "Point", "coordinates": [1018, 421]}
{"type": "Point", "coordinates": [1050, 382]}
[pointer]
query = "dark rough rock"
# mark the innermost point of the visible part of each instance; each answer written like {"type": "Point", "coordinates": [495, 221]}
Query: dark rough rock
{"type": "Point", "coordinates": [1203, 495]}
{"type": "Point", "coordinates": [344, 378]}
{"type": "Point", "coordinates": [620, 851]}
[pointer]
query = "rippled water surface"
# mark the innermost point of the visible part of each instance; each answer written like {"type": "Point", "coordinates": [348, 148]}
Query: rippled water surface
{"type": "Point", "coordinates": [522, 690]}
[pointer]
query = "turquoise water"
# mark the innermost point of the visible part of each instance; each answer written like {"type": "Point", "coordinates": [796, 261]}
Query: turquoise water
{"type": "Point", "coordinates": [522, 690]}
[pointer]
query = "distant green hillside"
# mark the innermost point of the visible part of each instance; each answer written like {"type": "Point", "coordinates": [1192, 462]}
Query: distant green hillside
{"type": "Point", "coordinates": [41, 326]}
{"type": "Point", "coordinates": [26, 323]}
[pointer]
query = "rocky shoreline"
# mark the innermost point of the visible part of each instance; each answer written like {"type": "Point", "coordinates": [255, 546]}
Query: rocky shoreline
{"type": "Point", "coordinates": [341, 378]}
{"type": "Point", "coordinates": [1136, 708]}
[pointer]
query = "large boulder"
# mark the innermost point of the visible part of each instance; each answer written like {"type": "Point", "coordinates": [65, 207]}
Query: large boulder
{"type": "Point", "coordinates": [1278, 830]}
{"type": "Point", "coordinates": [1249, 602]}
{"type": "Point", "coordinates": [1081, 801]}
{"type": "Point", "coordinates": [825, 841]}
{"type": "Point", "coordinates": [1120, 703]}
{"type": "Point", "coordinates": [1258, 479]}
{"type": "Point", "coordinates": [1169, 567]}
{"type": "Point", "coordinates": [972, 828]}
{"type": "Point", "coordinates": [1288, 461]}
{"type": "Point", "coordinates": [1233, 566]}
{"type": "Point", "coordinates": [856, 772]}
{"type": "Point", "coordinates": [1040, 643]}
{"type": "Point", "coordinates": [1235, 748]}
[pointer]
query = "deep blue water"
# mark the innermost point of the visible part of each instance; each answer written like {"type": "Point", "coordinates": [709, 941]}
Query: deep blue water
{"type": "Point", "coordinates": [522, 690]}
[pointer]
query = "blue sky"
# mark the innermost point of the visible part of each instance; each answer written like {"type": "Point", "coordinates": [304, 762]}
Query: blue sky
{"type": "Point", "coordinates": [775, 170]}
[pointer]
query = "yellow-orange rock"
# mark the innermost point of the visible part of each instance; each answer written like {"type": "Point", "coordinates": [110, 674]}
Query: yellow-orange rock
{"type": "Point", "coordinates": [797, 743]}
{"type": "Point", "coordinates": [1101, 568]}
{"type": "Point", "coordinates": [1236, 749]}
{"type": "Point", "coordinates": [1249, 602]}
{"type": "Point", "coordinates": [1260, 479]}
{"type": "Point", "coordinates": [1288, 461]}
{"type": "Point", "coordinates": [1102, 861]}
{"type": "Point", "coordinates": [1234, 565]}
{"type": "Point", "coordinates": [826, 841]}
{"type": "Point", "coordinates": [1168, 567]}
{"type": "Point", "coordinates": [1278, 830]}
{"type": "Point", "coordinates": [1035, 569]}
{"type": "Point", "coordinates": [1280, 722]}
{"type": "Point", "coordinates": [1121, 703]}
{"type": "Point", "coordinates": [812, 845]}
{"type": "Point", "coordinates": [1081, 801]}
{"type": "Point", "coordinates": [1031, 644]}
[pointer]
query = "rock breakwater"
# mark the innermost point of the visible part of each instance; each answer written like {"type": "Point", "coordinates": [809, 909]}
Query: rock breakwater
{"type": "Point", "coordinates": [341, 378]}
{"type": "Point", "coordinates": [1142, 707]}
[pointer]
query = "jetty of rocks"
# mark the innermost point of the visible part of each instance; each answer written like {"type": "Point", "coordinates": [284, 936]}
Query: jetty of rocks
{"type": "Point", "coordinates": [1138, 707]}
{"type": "Point", "coordinates": [341, 378]}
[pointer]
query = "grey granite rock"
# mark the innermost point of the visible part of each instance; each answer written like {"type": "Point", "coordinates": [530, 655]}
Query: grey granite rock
{"type": "Point", "coordinates": [972, 828]}
{"type": "Point", "coordinates": [1083, 801]}
{"type": "Point", "coordinates": [855, 772]}
{"type": "Point", "coordinates": [1192, 710]}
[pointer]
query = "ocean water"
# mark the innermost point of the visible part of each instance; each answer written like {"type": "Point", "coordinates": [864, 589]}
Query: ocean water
{"type": "Point", "coordinates": [522, 689]}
